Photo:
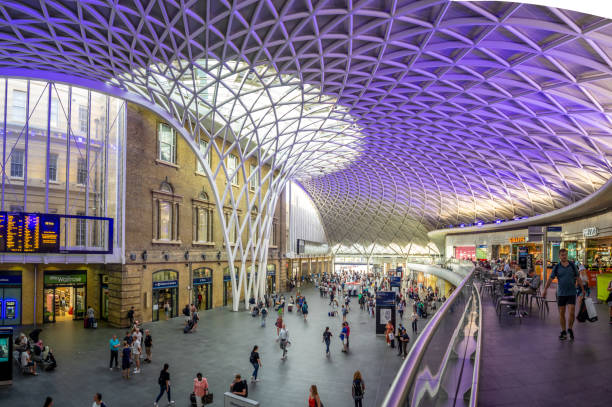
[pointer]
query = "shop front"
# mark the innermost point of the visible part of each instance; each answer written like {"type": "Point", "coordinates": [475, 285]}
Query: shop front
{"type": "Point", "coordinates": [10, 298]}
{"type": "Point", "coordinates": [227, 286]}
{"type": "Point", "coordinates": [64, 295]}
{"type": "Point", "coordinates": [104, 297]}
{"type": "Point", "coordinates": [165, 294]}
{"type": "Point", "coordinates": [599, 253]}
{"type": "Point", "coordinates": [202, 287]}
{"type": "Point", "coordinates": [465, 252]}
{"type": "Point", "coordinates": [271, 278]}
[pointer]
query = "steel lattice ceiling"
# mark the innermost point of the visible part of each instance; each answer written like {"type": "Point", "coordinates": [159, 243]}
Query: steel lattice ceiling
{"type": "Point", "coordinates": [466, 111]}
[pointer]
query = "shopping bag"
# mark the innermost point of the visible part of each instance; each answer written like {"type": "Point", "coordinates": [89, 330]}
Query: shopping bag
{"type": "Point", "coordinates": [591, 310]}
{"type": "Point", "coordinates": [583, 315]}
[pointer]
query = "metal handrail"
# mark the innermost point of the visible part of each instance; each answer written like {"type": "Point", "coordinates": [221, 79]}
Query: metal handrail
{"type": "Point", "coordinates": [400, 387]}
{"type": "Point", "coordinates": [477, 357]}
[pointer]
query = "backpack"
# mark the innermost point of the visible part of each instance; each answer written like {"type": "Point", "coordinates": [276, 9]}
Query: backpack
{"type": "Point", "coordinates": [576, 273]}
{"type": "Point", "coordinates": [357, 390]}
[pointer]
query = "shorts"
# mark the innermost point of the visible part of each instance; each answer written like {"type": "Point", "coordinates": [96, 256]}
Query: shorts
{"type": "Point", "coordinates": [125, 364]}
{"type": "Point", "coordinates": [563, 300]}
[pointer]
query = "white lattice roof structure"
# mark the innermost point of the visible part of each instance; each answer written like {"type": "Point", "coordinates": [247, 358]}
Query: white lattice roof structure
{"type": "Point", "coordinates": [397, 116]}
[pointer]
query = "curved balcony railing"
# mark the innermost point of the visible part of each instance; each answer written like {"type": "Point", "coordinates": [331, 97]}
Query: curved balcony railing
{"type": "Point", "coordinates": [443, 366]}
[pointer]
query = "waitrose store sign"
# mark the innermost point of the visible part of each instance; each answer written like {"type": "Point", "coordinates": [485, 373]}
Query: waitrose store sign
{"type": "Point", "coordinates": [65, 278]}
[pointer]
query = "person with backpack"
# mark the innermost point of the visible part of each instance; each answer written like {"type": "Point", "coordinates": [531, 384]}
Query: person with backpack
{"type": "Point", "coordinates": [305, 309]}
{"type": "Point", "coordinates": [327, 339]}
{"type": "Point", "coordinates": [130, 316]}
{"type": "Point", "coordinates": [264, 314]}
{"type": "Point", "coordinates": [239, 387]}
{"type": "Point", "coordinates": [567, 276]}
{"type": "Point", "coordinates": [97, 401]}
{"type": "Point", "coordinates": [358, 389]}
{"type": "Point", "coordinates": [256, 362]}
{"type": "Point", "coordinates": [148, 343]}
{"type": "Point", "coordinates": [200, 389]}
{"type": "Point", "coordinates": [164, 385]}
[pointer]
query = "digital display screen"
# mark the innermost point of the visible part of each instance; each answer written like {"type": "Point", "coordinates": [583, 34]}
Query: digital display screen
{"type": "Point", "coordinates": [4, 350]}
{"type": "Point", "coordinates": [29, 233]}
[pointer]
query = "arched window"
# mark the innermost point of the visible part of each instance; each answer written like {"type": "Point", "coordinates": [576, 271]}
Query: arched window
{"type": "Point", "coordinates": [166, 214]}
{"type": "Point", "coordinates": [202, 219]}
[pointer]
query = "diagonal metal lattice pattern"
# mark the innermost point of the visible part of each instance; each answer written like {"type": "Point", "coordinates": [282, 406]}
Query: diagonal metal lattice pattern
{"type": "Point", "coordinates": [398, 116]}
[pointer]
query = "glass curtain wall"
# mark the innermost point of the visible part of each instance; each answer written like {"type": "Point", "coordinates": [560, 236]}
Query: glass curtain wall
{"type": "Point", "coordinates": [61, 153]}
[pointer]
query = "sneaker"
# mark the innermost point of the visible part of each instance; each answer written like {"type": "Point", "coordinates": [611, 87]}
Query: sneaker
{"type": "Point", "coordinates": [571, 334]}
{"type": "Point", "coordinates": [563, 336]}
{"type": "Point", "coordinates": [154, 404]}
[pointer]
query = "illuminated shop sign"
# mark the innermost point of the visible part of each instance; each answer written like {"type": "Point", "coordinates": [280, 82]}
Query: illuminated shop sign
{"type": "Point", "coordinates": [590, 232]}
{"type": "Point", "coordinates": [517, 239]}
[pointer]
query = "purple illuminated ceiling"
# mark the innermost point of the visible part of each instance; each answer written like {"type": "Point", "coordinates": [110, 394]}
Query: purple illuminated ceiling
{"type": "Point", "coordinates": [469, 111]}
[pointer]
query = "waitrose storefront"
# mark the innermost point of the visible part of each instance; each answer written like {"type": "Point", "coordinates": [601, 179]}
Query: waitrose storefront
{"type": "Point", "coordinates": [64, 295]}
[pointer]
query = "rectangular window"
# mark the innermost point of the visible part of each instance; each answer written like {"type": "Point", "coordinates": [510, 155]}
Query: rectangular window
{"type": "Point", "coordinates": [231, 231]}
{"type": "Point", "coordinates": [203, 147]}
{"type": "Point", "coordinates": [254, 182]}
{"type": "Point", "coordinates": [83, 118]}
{"type": "Point", "coordinates": [81, 230]}
{"type": "Point", "coordinates": [52, 167]}
{"type": "Point", "coordinates": [165, 220]}
{"type": "Point", "coordinates": [273, 235]}
{"type": "Point", "coordinates": [17, 166]}
{"type": "Point", "coordinates": [166, 143]}
{"type": "Point", "coordinates": [54, 112]}
{"type": "Point", "coordinates": [18, 111]}
{"type": "Point", "coordinates": [82, 171]}
{"type": "Point", "coordinates": [232, 165]}
{"type": "Point", "coordinates": [202, 227]}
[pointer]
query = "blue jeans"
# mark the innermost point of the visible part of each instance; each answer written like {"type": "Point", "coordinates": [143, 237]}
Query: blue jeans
{"type": "Point", "coordinates": [256, 367]}
{"type": "Point", "coordinates": [327, 346]}
{"type": "Point", "coordinates": [162, 389]}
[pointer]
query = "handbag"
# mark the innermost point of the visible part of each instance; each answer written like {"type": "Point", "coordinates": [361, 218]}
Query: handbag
{"type": "Point", "coordinates": [391, 336]}
{"type": "Point", "coordinates": [208, 398]}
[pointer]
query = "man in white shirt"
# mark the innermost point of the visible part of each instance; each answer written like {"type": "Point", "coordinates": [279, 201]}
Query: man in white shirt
{"type": "Point", "coordinates": [97, 401]}
{"type": "Point", "coordinates": [283, 335]}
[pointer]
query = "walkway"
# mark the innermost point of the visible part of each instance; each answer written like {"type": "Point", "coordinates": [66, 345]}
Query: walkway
{"type": "Point", "coordinates": [525, 364]}
{"type": "Point", "coordinates": [219, 350]}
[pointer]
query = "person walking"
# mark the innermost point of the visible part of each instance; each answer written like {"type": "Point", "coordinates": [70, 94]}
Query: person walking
{"type": "Point", "coordinates": [114, 352]}
{"type": "Point", "coordinates": [284, 340]}
{"type": "Point", "coordinates": [97, 401]}
{"type": "Point", "coordinates": [164, 385]}
{"type": "Point", "coordinates": [567, 276]}
{"type": "Point", "coordinates": [358, 389]}
{"type": "Point", "coordinates": [200, 389]}
{"type": "Point", "coordinates": [305, 309]}
{"type": "Point", "coordinates": [343, 337]}
{"type": "Point", "coordinates": [148, 343]}
{"type": "Point", "coordinates": [414, 318]}
{"type": "Point", "coordinates": [126, 354]}
{"type": "Point", "coordinates": [400, 308]}
{"type": "Point", "coordinates": [404, 340]}
{"type": "Point", "coordinates": [313, 398]}
{"type": "Point", "coordinates": [130, 316]}
{"type": "Point", "coordinates": [48, 402]}
{"type": "Point", "coordinates": [327, 339]}
{"type": "Point", "coordinates": [91, 317]}
{"type": "Point", "coordinates": [256, 362]}
{"type": "Point", "coordinates": [279, 325]}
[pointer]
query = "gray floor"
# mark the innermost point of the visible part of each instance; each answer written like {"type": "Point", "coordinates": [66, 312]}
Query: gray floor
{"type": "Point", "coordinates": [525, 364]}
{"type": "Point", "coordinates": [219, 350]}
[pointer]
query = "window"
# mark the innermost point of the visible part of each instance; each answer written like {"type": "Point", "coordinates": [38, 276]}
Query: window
{"type": "Point", "coordinates": [83, 118]}
{"type": "Point", "coordinates": [203, 147]}
{"type": "Point", "coordinates": [82, 171]}
{"type": "Point", "coordinates": [165, 220]}
{"type": "Point", "coordinates": [18, 111]}
{"type": "Point", "coordinates": [254, 182]}
{"type": "Point", "coordinates": [273, 234]}
{"type": "Point", "coordinates": [202, 227]}
{"type": "Point", "coordinates": [52, 167]}
{"type": "Point", "coordinates": [54, 113]}
{"type": "Point", "coordinates": [166, 140]}
{"type": "Point", "coordinates": [81, 230]}
{"type": "Point", "coordinates": [165, 215]}
{"type": "Point", "coordinates": [232, 232]}
{"type": "Point", "coordinates": [232, 165]}
{"type": "Point", "coordinates": [17, 158]}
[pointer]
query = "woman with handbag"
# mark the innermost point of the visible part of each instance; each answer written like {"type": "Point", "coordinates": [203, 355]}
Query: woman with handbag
{"type": "Point", "coordinates": [200, 389]}
{"type": "Point", "coordinates": [313, 399]}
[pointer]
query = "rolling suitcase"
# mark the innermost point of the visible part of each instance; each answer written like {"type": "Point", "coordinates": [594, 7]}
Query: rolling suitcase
{"type": "Point", "coordinates": [591, 310]}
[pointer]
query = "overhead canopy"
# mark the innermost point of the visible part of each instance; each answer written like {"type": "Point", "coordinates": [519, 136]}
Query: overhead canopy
{"type": "Point", "coordinates": [453, 112]}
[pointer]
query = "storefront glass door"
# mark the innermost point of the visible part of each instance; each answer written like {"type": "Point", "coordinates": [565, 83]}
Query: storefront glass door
{"type": "Point", "coordinates": [203, 296]}
{"type": "Point", "coordinates": [63, 303]}
{"type": "Point", "coordinates": [164, 303]}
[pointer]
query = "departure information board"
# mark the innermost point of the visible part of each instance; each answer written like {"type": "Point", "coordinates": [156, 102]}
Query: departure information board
{"type": "Point", "coordinates": [29, 232]}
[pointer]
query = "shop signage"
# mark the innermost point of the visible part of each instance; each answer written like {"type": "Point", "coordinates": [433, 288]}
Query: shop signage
{"type": "Point", "coordinates": [227, 278]}
{"type": "Point", "coordinates": [385, 298]}
{"type": "Point", "coordinates": [481, 252]}
{"type": "Point", "coordinates": [395, 281]}
{"type": "Point", "coordinates": [517, 239]}
{"type": "Point", "coordinates": [202, 280]}
{"type": "Point", "coordinates": [554, 229]}
{"type": "Point", "coordinates": [10, 280]}
{"type": "Point", "coordinates": [165, 284]}
{"type": "Point", "coordinates": [590, 232]}
{"type": "Point", "coordinates": [65, 278]}
{"type": "Point", "coordinates": [271, 273]}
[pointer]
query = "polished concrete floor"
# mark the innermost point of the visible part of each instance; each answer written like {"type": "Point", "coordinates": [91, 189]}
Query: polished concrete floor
{"type": "Point", "coordinates": [525, 364]}
{"type": "Point", "coordinates": [219, 350]}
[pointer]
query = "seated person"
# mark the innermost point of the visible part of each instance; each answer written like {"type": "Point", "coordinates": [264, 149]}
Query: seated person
{"type": "Point", "coordinates": [238, 386]}
{"type": "Point", "coordinates": [21, 343]}
{"type": "Point", "coordinates": [27, 363]}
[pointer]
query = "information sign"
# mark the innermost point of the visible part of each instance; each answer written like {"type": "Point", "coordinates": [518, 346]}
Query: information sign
{"type": "Point", "coordinates": [29, 232]}
{"type": "Point", "coordinates": [49, 233]}
{"type": "Point", "coordinates": [14, 232]}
